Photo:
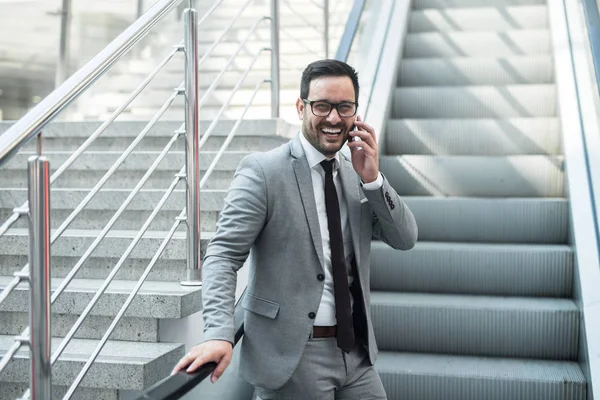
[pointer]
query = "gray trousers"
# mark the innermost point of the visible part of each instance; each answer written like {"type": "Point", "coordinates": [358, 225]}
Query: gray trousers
{"type": "Point", "coordinates": [326, 373]}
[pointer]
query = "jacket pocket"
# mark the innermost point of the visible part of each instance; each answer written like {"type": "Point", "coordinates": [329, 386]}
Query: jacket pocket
{"type": "Point", "coordinates": [264, 307]}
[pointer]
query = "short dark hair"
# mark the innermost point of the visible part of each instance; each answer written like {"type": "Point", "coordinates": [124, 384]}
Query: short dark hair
{"type": "Point", "coordinates": [321, 68]}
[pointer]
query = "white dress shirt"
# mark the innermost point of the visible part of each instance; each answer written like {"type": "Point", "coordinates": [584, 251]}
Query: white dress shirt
{"type": "Point", "coordinates": [326, 312]}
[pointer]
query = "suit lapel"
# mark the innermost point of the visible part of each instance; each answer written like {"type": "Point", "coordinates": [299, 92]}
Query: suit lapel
{"type": "Point", "coordinates": [352, 195]}
{"type": "Point", "coordinates": [304, 180]}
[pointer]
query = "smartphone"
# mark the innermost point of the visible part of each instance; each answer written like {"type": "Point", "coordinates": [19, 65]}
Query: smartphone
{"type": "Point", "coordinates": [353, 138]}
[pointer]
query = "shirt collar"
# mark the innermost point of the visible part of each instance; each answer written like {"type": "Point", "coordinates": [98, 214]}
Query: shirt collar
{"type": "Point", "coordinates": [314, 156]}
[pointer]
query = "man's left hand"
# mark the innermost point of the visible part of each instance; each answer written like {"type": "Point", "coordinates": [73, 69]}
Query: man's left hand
{"type": "Point", "coordinates": [365, 160]}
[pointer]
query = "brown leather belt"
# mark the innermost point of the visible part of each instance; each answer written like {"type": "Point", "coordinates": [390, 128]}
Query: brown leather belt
{"type": "Point", "coordinates": [324, 331]}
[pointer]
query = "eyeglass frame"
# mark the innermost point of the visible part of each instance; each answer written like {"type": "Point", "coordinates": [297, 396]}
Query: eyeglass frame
{"type": "Point", "coordinates": [333, 105]}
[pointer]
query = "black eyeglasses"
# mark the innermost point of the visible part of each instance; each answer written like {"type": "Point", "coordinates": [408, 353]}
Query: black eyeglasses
{"type": "Point", "coordinates": [322, 108]}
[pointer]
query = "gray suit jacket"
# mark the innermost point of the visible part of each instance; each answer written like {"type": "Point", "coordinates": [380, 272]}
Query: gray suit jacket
{"type": "Point", "coordinates": [270, 215]}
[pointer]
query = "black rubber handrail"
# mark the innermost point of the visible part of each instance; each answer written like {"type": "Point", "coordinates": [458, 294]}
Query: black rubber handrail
{"type": "Point", "coordinates": [175, 386]}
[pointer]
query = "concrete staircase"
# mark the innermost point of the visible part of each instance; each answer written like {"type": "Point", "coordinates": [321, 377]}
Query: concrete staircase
{"type": "Point", "coordinates": [135, 357]}
{"type": "Point", "coordinates": [482, 307]}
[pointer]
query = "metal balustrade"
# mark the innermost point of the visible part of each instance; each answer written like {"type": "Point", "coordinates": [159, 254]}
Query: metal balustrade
{"type": "Point", "coordinates": [37, 208]}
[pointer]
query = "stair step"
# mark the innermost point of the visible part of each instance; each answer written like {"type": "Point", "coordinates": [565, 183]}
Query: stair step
{"type": "Point", "coordinates": [127, 179]}
{"type": "Point", "coordinates": [513, 176]}
{"type": "Point", "coordinates": [476, 325]}
{"type": "Point", "coordinates": [112, 199]}
{"type": "Point", "coordinates": [106, 202]}
{"type": "Point", "coordinates": [234, 112]}
{"type": "Point", "coordinates": [465, 71]}
{"type": "Point", "coordinates": [217, 98]}
{"type": "Point", "coordinates": [488, 220]}
{"type": "Point", "coordinates": [120, 365]}
{"type": "Point", "coordinates": [287, 46]}
{"type": "Point", "coordinates": [478, 44]}
{"type": "Point", "coordinates": [437, 376]}
{"type": "Point", "coordinates": [94, 327]}
{"type": "Point", "coordinates": [475, 102]}
{"type": "Point", "coordinates": [422, 4]}
{"type": "Point", "coordinates": [98, 267]}
{"type": "Point", "coordinates": [473, 137]}
{"type": "Point", "coordinates": [136, 161]}
{"type": "Point", "coordinates": [126, 83]}
{"type": "Point", "coordinates": [219, 61]}
{"type": "Point", "coordinates": [154, 300]}
{"type": "Point", "coordinates": [11, 390]}
{"type": "Point", "coordinates": [250, 129]}
{"type": "Point", "coordinates": [73, 242]}
{"type": "Point", "coordinates": [158, 143]}
{"type": "Point", "coordinates": [474, 268]}
{"type": "Point", "coordinates": [291, 22]}
{"type": "Point", "coordinates": [479, 18]}
{"type": "Point", "coordinates": [238, 32]}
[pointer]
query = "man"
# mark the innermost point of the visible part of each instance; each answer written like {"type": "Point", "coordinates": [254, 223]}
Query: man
{"type": "Point", "coordinates": [305, 215]}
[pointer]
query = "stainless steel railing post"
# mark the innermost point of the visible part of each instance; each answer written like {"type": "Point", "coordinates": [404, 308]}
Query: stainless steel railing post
{"type": "Point", "coordinates": [63, 49]}
{"type": "Point", "coordinates": [194, 258]}
{"type": "Point", "coordinates": [39, 280]}
{"type": "Point", "coordinates": [275, 58]}
{"type": "Point", "coordinates": [139, 8]}
{"type": "Point", "coordinates": [326, 26]}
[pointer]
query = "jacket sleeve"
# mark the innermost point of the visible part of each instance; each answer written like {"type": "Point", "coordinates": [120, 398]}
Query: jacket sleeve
{"type": "Point", "coordinates": [393, 222]}
{"type": "Point", "coordinates": [242, 219]}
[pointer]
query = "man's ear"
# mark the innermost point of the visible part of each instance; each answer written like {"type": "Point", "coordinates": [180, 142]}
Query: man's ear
{"type": "Point", "coordinates": [300, 108]}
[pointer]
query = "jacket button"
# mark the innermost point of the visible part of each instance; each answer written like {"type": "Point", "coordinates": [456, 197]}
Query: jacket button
{"type": "Point", "coordinates": [321, 277]}
{"type": "Point", "coordinates": [312, 315]}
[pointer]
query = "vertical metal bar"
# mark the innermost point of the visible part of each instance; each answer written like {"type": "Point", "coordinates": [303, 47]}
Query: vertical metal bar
{"type": "Point", "coordinates": [194, 257]}
{"type": "Point", "coordinates": [39, 144]}
{"type": "Point", "coordinates": [39, 280]}
{"type": "Point", "coordinates": [140, 8]}
{"type": "Point", "coordinates": [275, 58]}
{"type": "Point", "coordinates": [326, 26]}
{"type": "Point", "coordinates": [63, 51]}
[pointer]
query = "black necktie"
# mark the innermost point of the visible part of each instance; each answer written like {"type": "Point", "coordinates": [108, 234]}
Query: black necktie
{"type": "Point", "coordinates": [343, 311]}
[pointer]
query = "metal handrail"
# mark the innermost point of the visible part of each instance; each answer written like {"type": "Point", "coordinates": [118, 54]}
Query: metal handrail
{"type": "Point", "coordinates": [35, 120]}
{"type": "Point", "coordinates": [30, 126]}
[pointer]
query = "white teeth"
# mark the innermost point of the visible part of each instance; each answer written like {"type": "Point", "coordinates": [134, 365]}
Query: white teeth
{"type": "Point", "coordinates": [326, 130]}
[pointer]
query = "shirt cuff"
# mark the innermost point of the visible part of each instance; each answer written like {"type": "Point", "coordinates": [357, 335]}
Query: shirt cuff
{"type": "Point", "coordinates": [376, 184]}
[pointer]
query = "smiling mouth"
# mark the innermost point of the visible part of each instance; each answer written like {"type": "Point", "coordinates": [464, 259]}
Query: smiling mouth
{"type": "Point", "coordinates": [331, 132]}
